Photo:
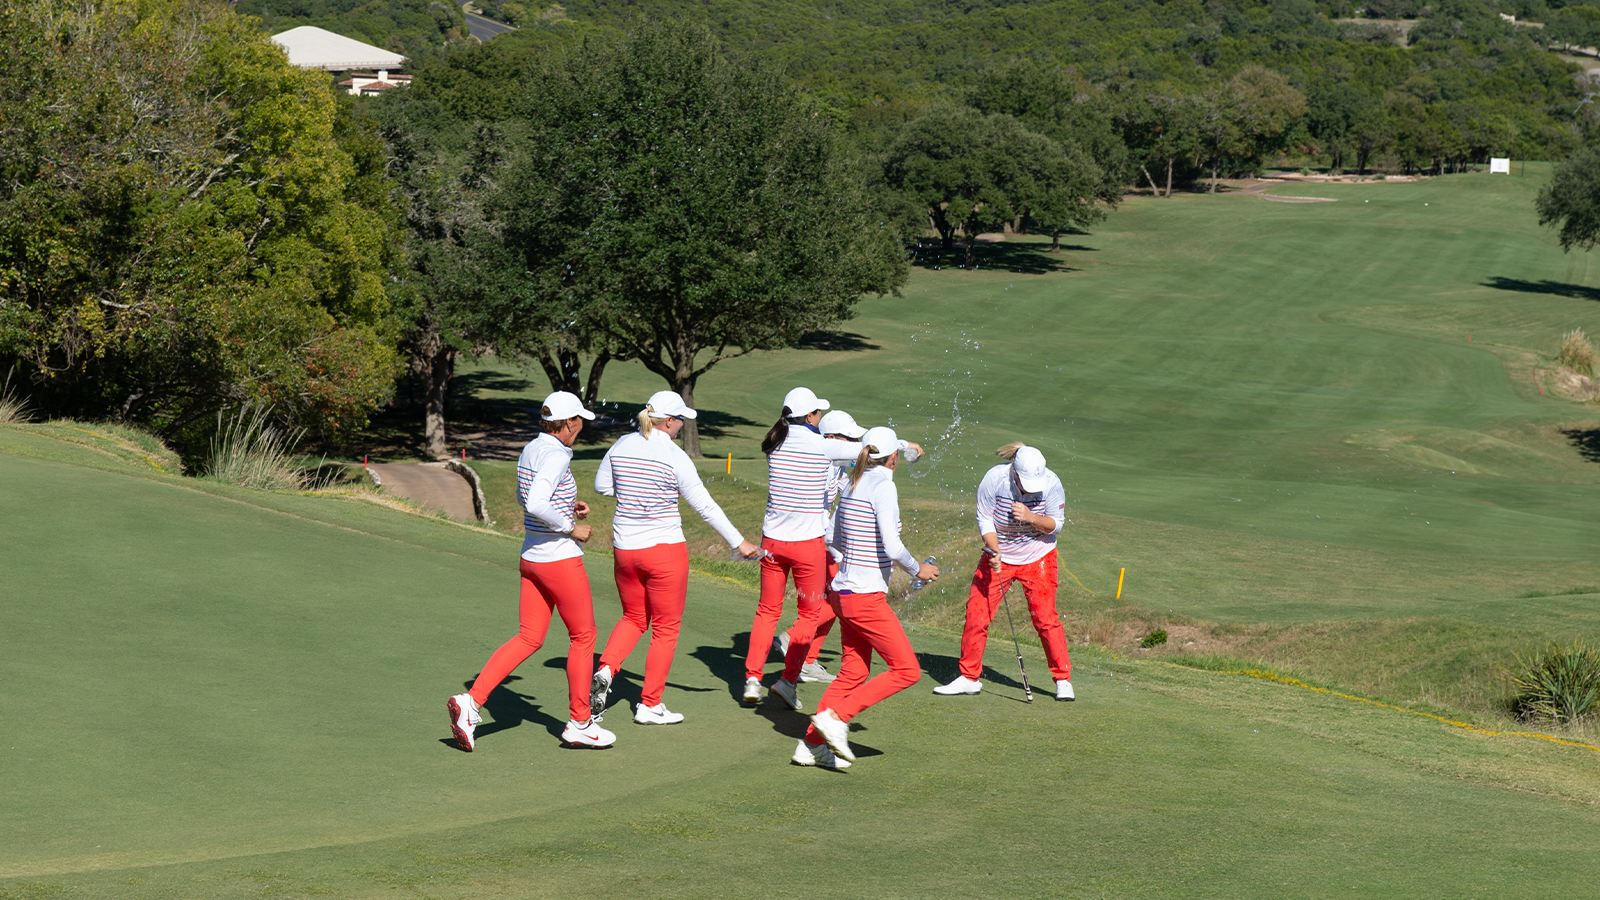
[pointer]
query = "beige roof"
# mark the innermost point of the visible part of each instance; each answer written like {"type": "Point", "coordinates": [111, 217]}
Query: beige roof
{"type": "Point", "coordinates": [311, 47]}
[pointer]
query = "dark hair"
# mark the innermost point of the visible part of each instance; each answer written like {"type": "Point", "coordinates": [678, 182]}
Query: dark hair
{"type": "Point", "coordinates": [779, 432]}
{"type": "Point", "coordinates": [551, 426]}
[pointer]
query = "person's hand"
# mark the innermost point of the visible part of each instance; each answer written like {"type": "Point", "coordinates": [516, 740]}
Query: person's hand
{"type": "Point", "coordinates": [913, 445]}
{"type": "Point", "coordinates": [994, 560]}
{"type": "Point", "coordinates": [580, 510]}
{"type": "Point", "coordinates": [927, 572]}
{"type": "Point", "coordinates": [748, 550]}
{"type": "Point", "coordinates": [582, 532]}
{"type": "Point", "coordinates": [1021, 512]}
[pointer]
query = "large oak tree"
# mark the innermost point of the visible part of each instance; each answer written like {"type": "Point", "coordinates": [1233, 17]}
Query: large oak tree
{"type": "Point", "coordinates": [681, 208]}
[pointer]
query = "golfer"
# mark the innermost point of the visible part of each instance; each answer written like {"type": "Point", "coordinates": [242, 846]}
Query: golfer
{"type": "Point", "coordinates": [647, 473]}
{"type": "Point", "coordinates": [798, 472]}
{"type": "Point", "coordinates": [553, 578]}
{"type": "Point", "coordinates": [836, 425]}
{"type": "Point", "coordinates": [1021, 506]}
{"type": "Point", "coordinates": [867, 533]}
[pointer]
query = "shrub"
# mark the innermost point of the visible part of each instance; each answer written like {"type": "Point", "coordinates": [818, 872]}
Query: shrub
{"type": "Point", "coordinates": [1561, 686]}
{"type": "Point", "coordinates": [250, 451]}
{"type": "Point", "coordinates": [1577, 353]}
{"type": "Point", "coordinates": [1159, 636]}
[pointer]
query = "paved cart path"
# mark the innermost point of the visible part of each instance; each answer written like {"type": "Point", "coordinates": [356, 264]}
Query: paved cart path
{"type": "Point", "coordinates": [430, 485]}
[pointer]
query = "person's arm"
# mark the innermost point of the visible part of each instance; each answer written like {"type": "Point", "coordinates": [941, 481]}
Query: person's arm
{"type": "Point", "coordinates": [886, 503]}
{"type": "Point", "coordinates": [986, 527]}
{"type": "Point", "coordinates": [546, 475]}
{"type": "Point", "coordinates": [692, 489]}
{"type": "Point", "coordinates": [1055, 509]}
{"type": "Point", "coordinates": [602, 479]}
{"type": "Point", "coordinates": [841, 451]}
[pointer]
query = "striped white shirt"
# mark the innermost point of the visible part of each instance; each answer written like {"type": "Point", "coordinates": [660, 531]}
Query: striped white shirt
{"type": "Point", "coordinates": [647, 476]}
{"type": "Point", "coordinates": [1019, 543]}
{"type": "Point", "coordinates": [548, 496]}
{"type": "Point", "coordinates": [798, 473]}
{"type": "Point", "coordinates": [866, 531]}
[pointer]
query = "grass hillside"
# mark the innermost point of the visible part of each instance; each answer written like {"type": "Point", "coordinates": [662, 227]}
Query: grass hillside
{"type": "Point", "coordinates": [226, 693]}
{"type": "Point", "coordinates": [1269, 413]}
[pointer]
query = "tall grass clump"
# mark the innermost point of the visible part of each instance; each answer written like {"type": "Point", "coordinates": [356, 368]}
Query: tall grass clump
{"type": "Point", "coordinates": [1560, 686]}
{"type": "Point", "coordinates": [1577, 353]}
{"type": "Point", "coordinates": [13, 409]}
{"type": "Point", "coordinates": [248, 450]}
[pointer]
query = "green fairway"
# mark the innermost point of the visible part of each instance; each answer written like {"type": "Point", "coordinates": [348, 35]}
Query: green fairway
{"type": "Point", "coordinates": [221, 693]}
{"type": "Point", "coordinates": [1268, 413]}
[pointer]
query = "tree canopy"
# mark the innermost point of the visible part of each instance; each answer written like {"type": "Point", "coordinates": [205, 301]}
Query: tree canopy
{"type": "Point", "coordinates": [685, 208]}
{"type": "Point", "coordinates": [209, 227]}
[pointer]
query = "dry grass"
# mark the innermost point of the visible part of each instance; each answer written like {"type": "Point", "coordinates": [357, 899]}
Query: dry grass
{"type": "Point", "coordinates": [250, 451]}
{"type": "Point", "coordinates": [1577, 353]}
{"type": "Point", "coordinates": [13, 409]}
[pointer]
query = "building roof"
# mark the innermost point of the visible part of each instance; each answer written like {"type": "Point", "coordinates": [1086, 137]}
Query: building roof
{"type": "Point", "coordinates": [311, 47]}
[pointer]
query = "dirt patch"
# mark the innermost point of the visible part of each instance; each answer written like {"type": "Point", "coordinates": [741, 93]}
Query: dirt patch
{"type": "Point", "coordinates": [1570, 385]}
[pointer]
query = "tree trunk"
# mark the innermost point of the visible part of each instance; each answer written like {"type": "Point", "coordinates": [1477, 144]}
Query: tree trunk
{"type": "Point", "coordinates": [1055, 240]}
{"type": "Point", "coordinates": [1169, 178]}
{"type": "Point", "coordinates": [971, 257]}
{"type": "Point", "coordinates": [690, 435]}
{"type": "Point", "coordinates": [591, 390]}
{"type": "Point", "coordinates": [1154, 191]}
{"type": "Point", "coordinates": [437, 371]}
{"type": "Point", "coordinates": [1214, 167]}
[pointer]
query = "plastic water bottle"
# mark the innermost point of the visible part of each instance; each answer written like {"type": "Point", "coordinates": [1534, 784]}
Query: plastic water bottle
{"type": "Point", "coordinates": [912, 455]}
{"type": "Point", "coordinates": [918, 584]}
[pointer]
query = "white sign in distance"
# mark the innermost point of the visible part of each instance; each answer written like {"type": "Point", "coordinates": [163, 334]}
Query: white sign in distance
{"type": "Point", "coordinates": [1499, 165]}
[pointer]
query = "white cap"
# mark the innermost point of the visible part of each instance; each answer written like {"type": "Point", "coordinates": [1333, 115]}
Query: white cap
{"type": "Point", "coordinates": [667, 403]}
{"type": "Point", "coordinates": [801, 402]}
{"type": "Point", "coordinates": [1029, 466]}
{"type": "Point", "coordinates": [884, 439]}
{"type": "Point", "coordinates": [564, 405]}
{"type": "Point", "coordinates": [841, 422]}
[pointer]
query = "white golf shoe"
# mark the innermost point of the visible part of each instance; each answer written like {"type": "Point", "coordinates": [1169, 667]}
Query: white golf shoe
{"type": "Point", "coordinates": [656, 715]}
{"type": "Point", "coordinates": [962, 685]}
{"type": "Point", "coordinates": [820, 756]}
{"type": "Point", "coordinates": [780, 643]}
{"type": "Point", "coordinates": [835, 732]}
{"type": "Point", "coordinates": [464, 719]}
{"type": "Point", "coordinates": [814, 673]}
{"type": "Point", "coordinates": [785, 690]}
{"type": "Point", "coordinates": [1064, 691]}
{"type": "Point", "coordinates": [599, 689]}
{"type": "Point", "coordinates": [752, 690]}
{"type": "Point", "coordinates": [590, 735]}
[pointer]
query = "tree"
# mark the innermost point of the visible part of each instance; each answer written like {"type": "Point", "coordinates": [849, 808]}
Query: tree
{"type": "Point", "coordinates": [209, 227]}
{"type": "Point", "coordinates": [974, 173]}
{"type": "Point", "coordinates": [1243, 119]}
{"type": "Point", "coordinates": [682, 209]}
{"type": "Point", "coordinates": [1160, 126]}
{"type": "Point", "coordinates": [1571, 201]}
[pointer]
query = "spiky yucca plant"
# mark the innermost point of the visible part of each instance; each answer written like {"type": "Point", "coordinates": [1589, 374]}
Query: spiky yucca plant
{"type": "Point", "coordinates": [1561, 685]}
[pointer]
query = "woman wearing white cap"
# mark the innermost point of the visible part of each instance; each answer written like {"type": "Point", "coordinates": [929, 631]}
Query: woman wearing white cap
{"type": "Point", "coordinates": [804, 638]}
{"type": "Point", "coordinates": [867, 534]}
{"type": "Point", "coordinates": [553, 578]}
{"type": "Point", "coordinates": [1021, 506]}
{"type": "Point", "coordinates": [799, 468]}
{"type": "Point", "coordinates": [647, 473]}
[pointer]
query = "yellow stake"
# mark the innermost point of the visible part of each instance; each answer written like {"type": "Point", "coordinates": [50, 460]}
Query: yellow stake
{"type": "Point", "coordinates": [730, 463]}
{"type": "Point", "coordinates": [1119, 582]}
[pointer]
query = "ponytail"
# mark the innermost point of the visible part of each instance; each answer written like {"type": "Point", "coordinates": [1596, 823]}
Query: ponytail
{"type": "Point", "coordinates": [777, 434]}
{"type": "Point", "coordinates": [865, 461]}
{"type": "Point", "coordinates": [1009, 451]}
{"type": "Point", "coordinates": [646, 422]}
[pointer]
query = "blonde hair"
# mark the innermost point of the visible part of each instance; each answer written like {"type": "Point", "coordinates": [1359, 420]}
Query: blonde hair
{"type": "Point", "coordinates": [866, 461]}
{"type": "Point", "coordinates": [1009, 451]}
{"type": "Point", "coordinates": [647, 422]}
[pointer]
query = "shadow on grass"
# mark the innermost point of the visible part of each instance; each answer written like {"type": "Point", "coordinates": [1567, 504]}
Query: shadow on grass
{"type": "Point", "coordinates": [1028, 258]}
{"type": "Point", "coordinates": [1558, 288]}
{"type": "Point", "coordinates": [508, 709]}
{"type": "Point", "coordinates": [468, 384]}
{"type": "Point", "coordinates": [1587, 440]}
{"type": "Point", "coordinates": [836, 341]}
{"type": "Point", "coordinates": [944, 670]}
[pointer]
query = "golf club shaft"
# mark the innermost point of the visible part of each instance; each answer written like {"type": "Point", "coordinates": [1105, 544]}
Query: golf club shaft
{"type": "Point", "coordinates": [1026, 690]}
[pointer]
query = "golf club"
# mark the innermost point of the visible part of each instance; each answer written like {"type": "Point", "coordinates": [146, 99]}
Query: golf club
{"type": "Point", "coordinates": [1026, 690]}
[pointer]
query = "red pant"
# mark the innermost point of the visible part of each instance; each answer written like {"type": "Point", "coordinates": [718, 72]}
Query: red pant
{"type": "Point", "coordinates": [562, 586]}
{"type": "Point", "coordinates": [808, 561]}
{"type": "Point", "coordinates": [983, 601]}
{"type": "Point", "coordinates": [653, 584]}
{"type": "Point", "coordinates": [811, 627]}
{"type": "Point", "coordinates": [867, 625]}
